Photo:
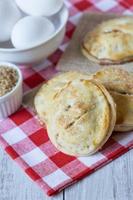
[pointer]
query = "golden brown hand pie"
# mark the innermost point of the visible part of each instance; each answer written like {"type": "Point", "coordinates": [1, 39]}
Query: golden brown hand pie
{"type": "Point", "coordinates": [79, 113]}
{"type": "Point", "coordinates": [120, 85]}
{"type": "Point", "coordinates": [124, 109]}
{"type": "Point", "coordinates": [111, 42]}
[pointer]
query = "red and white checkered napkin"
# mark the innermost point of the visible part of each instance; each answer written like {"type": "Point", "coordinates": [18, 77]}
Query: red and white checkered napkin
{"type": "Point", "coordinates": [27, 142]}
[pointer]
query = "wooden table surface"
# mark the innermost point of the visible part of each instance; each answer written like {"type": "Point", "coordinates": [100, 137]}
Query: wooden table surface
{"type": "Point", "coordinates": [112, 182]}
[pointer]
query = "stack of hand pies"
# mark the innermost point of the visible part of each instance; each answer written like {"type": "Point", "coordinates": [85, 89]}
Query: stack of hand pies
{"type": "Point", "coordinates": [81, 111]}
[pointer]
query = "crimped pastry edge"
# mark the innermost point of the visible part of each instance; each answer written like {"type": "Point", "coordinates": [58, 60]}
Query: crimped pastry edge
{"type": "Point", "coordinates": [122, 127]}
{"type": "Point", "coordinates": [104, 61]}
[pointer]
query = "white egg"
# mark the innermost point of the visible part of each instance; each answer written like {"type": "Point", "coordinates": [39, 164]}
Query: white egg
{"type": "Point", "coordinates": [9, 15]}
{"type": "Point", "coordinates": [31, 31]}
{"type": "Point", "coordinates": [40, 7]}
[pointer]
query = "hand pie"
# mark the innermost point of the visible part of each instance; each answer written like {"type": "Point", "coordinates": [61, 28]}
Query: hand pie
{"type": "Point", "coordinates": [124, 109]}
{"type": "Point", "coordinates": [120, 85]}
{"type": "Point", "coordinates": [111, 42]}
{"type": "Point", "coordinates": [79, 113]}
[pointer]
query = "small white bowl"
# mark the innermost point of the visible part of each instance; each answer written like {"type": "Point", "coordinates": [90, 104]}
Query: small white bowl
{"type": "Point", "coordinates": [10, 102]}
{"type": "Point", "coordinates": [39, 52]}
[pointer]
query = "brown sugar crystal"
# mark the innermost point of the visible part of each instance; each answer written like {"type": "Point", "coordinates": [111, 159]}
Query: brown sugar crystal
{"type": "Point", "coordinates": [8, 79]}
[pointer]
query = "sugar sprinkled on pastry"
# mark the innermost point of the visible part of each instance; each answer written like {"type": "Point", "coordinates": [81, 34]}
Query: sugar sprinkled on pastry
{"type": "Point", "coordinates": [115, 79]}
{"type": "Point", "coordinates": [79, 113]}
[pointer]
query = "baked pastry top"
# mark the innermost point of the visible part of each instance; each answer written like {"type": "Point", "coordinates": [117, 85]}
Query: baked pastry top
{"type": "Point", "coordinates": [79, 113]}
{"type": "Point", "coordinates": [115, 79]}
{"type": "Point", "coordinates": [50, 89]}
{"type": "Point", "coordinates": [111, 42]}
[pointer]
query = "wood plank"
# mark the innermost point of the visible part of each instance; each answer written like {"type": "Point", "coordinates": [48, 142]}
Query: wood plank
{"type": "Point", "coordinates": [15, 185]}
{"type": "Point", "coordinates": [112, 182]}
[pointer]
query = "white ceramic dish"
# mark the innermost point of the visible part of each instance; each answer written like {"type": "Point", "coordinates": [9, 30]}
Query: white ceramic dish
{"type": "Point", "coordinates": [40, 52]}
{"type": "Point", "coordinates": [10, 102]}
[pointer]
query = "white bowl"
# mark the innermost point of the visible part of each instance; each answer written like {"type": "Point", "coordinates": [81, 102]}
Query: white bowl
{"type": "Point", "coordinates": [10, 102]}
{"type": "Point", "coordinates": [40, 52]}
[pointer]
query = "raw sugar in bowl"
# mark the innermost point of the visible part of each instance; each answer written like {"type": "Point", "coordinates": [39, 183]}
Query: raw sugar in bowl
{"type": "Point", "coordinates": [10, 89]}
